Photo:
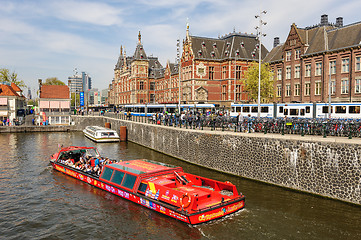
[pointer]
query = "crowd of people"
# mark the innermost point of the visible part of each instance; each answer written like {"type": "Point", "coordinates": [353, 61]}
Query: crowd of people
{"type": "Point", "coordinates": [88, 164]}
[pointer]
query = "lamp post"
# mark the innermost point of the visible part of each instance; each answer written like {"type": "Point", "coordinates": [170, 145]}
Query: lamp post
{"type": "Point", "coordinates": [179, 75]}
{"type": "Point", "coordinates": [259, 36]}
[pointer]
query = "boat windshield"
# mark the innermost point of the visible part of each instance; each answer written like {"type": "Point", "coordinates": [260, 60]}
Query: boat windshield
{"type": "Point", "coordinates": [93, 152]}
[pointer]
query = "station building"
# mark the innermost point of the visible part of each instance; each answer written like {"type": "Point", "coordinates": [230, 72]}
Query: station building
{"type": "Point", "coordinates": [317, 61]}
{"type": "Point", "coordinates": [211, 71]}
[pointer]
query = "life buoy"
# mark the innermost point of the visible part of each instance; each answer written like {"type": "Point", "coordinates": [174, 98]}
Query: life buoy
{"type": "Point", "coordinates": [185, 200]}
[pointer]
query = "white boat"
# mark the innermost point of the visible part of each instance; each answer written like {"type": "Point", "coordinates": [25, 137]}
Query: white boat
{"type": "Point", "coordinates": [101, 134]}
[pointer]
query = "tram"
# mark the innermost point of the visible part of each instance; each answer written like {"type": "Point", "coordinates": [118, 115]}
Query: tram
{"type": "Point", "coordinates": [300, 110]}
{"type": "Point", "coordinates": [150, 109]}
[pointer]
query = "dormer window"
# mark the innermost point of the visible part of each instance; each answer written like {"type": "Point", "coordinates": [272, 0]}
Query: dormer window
{"type": "Point", "coordinates": [237, 52]}
{"type": "Point", "coordinates": [228, 44]}
{"type": "Point", "coordinates": [214, 45]}
{"type": "Point", "coordinates": [203, 44]}
{"type": "Point", "coordinates": [242, 44]}
{"type": "Point", "coordinates": [141, 55]}
{"type": "Point", "coordinates": [226, 53]}
{"type": "Point", "coordinates": [200, 53]}
{"type": "Point", "coordinates": [212, 54]}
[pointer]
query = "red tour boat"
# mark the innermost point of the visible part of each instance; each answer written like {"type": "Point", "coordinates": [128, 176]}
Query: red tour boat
{"type": "Point", "coordinates": [158, 186]}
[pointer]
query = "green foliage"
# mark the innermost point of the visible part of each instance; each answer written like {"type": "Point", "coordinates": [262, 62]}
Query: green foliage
{"type": "Point", "coordinates": [73, 99]}
{"type": "Point", "coordinates": [251, 82]}
{"type": "Point", "coordinates": [32, 102]}
{"type": "Point", "coordinates": [7, 77]}
{"type": "Point", "coordinates": [53, 81]}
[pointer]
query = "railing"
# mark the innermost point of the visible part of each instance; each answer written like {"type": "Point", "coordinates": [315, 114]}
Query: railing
{"type": "Point", "coordinates": [324, 127]}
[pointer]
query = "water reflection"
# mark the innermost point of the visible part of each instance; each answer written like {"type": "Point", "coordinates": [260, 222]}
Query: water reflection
{"type": "Point", "coordinates": [38, 202]}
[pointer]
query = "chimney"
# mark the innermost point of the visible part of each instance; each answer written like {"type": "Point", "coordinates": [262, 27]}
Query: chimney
{"type": "Point", "coordinates": [276, 41]}
{"type": "Point", "coordinates": [324, 19]}
{"type": "Point", "coordinates": [339, 22]}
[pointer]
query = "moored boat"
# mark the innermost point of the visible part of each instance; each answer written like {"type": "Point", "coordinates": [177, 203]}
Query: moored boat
{"type": "Point", "coordinates": [161, 187]}
{"type": "Point", "coordinates": [101, 134]}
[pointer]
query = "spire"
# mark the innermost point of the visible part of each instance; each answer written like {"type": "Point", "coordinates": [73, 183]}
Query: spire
{"type": "Point", "coordinates": [139, 38]}
{"type": "Point", "coordinates": [125, 60]}
{"type": "Point", "coordinates": [121, 50]}
{"type": "Point", "coordinates": [187, 34]}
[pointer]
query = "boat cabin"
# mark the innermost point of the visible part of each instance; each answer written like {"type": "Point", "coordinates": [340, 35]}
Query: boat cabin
{"type": "Point", "coordinates": [168, 184]}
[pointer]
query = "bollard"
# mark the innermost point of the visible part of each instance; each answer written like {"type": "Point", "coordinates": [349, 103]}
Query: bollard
{"type": "Point", "coordinates": [324, 130]}
{"type": "Point", "coordinates": [122, 133]}
{"type": "Point", "coordinates": [235, 128]}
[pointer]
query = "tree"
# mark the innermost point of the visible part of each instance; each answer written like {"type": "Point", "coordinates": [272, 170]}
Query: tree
{"type": "Point", "coordinates": [251, 82]}
{"type": "Point", "coordinates": [32, 102]}
{"type": "Point", "coordinates": [75, 97]}
{"type": "Point", "coordinates": [7, 77]}
{"type": "Point", "coordinates": [53, 81]}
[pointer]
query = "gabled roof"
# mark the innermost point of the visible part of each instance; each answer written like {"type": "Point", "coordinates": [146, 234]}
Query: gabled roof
{"type": "Point", "coordinates": [275, 54]}
{"type": "Point", "coordinates": [234, 45]}
{"type": "Point", "coordinates": [6, 90]}
{"type": "Point", "coordinates": [15, 87]}
{"type": "Point", "coordinates": [54, 91]}
{"type": "Point", "coordinates": [322, 38]}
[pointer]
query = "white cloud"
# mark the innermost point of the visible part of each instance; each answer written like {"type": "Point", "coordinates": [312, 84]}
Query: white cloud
{"type": "Point", "coordinates": [53, 39]}
{"type": "Point", "coordinates": [86, 12]}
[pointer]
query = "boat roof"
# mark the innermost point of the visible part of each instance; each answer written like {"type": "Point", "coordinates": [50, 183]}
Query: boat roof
{"type": "Point", "coordinates": [99, 129]}
{"type": "Point", "coordinates": [74, 148]}
{"type": "Point", "coordinates": [142, 166]}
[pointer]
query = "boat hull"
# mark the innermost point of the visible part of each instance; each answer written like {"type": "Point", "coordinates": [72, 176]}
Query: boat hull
{"type": "Point", "coordinates": [194, 218]}
{"type": "Point", "coordinates": [116, 139]}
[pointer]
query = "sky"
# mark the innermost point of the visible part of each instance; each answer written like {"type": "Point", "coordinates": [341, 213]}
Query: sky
{"type": "Point", "coordinates": [45, 38]}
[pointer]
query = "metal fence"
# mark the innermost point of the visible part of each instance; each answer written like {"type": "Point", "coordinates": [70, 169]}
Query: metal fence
{"type": "Point", "coordinates": [324, 127]}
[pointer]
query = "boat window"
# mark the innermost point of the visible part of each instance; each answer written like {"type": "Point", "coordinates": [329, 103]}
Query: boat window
{"type": "Point", "coordinates": [254, 109]}
{"type": "Point", "coordinates": [118, 177]}
{"type": "Point", "coordinates": [302, 112]}
{"type": "Point", "coordinates": [281, 110]}
{"type": "Point", "coordinates": [92, 152]}
{"type": "Point", "coordinates": [142, 187]}
{"type": "Point", "coordinates": [129, 181]}
{"type": "Point", "coordinates": [308, 109]}
{"type": "Point", "coordinates": [107, 173]}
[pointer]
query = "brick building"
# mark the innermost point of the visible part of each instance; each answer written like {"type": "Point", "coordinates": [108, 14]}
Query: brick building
{"type": "Point", "coordinates": [212, 69]}
{"type": "Point", "coordinates": [317, 60]}
{"type": "Point", "coordinates": [135, 78]}
{"type": "Point", "coordinates": [211, 72]}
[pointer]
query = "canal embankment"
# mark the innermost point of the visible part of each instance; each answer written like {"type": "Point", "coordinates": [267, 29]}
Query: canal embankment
{"type": "Point", "coordinates": [328, 167]}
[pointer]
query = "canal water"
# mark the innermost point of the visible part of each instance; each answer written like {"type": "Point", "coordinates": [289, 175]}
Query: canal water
{"type": "Point", "coordinates": [37, 202]}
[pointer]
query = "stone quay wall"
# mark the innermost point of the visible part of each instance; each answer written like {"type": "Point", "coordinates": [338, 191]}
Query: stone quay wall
{"type": "Point", "coordinates": [329, 167]}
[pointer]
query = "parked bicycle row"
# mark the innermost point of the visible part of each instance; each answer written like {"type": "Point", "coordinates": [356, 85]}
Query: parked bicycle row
{"type": "Point", "coordinates": [224, 122]}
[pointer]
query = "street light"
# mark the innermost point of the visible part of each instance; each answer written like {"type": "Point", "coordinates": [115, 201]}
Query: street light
{"type": "Point", "coordinates": [259, 37]}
